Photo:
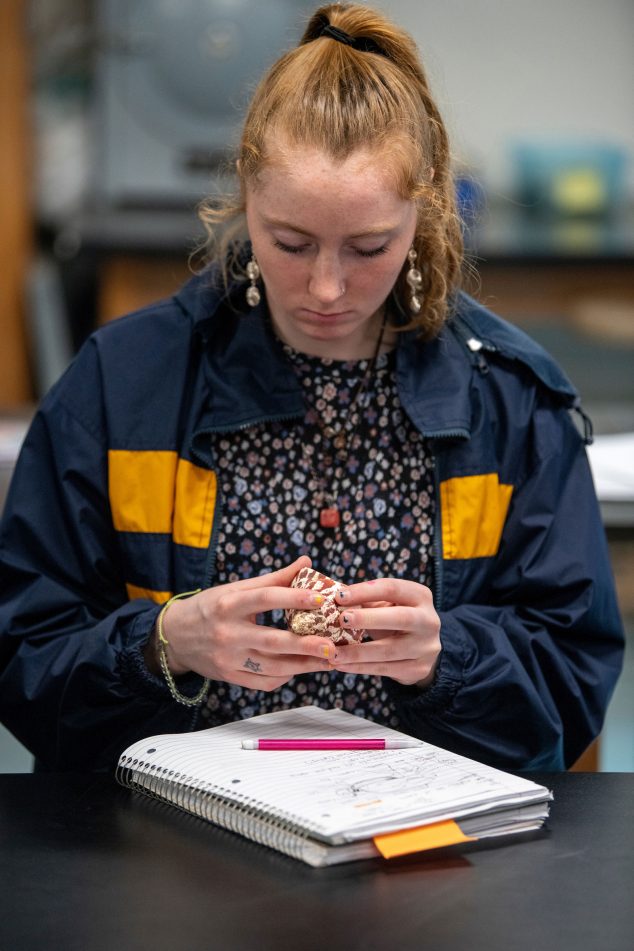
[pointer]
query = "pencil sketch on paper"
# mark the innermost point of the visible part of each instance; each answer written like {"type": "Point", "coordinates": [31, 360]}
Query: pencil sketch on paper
{"type": "Point", "coordinates": [404, 775]}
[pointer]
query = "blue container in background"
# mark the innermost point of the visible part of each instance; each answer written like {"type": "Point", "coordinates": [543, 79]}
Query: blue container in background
{"type": "Point", "coordinates": [470, 198]}
{"type": "Point", "coordinates": [569, 179]}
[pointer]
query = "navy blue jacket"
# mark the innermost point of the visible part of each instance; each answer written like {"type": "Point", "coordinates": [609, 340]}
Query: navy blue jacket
{"type": "Point", "coordinates": [114, 507]}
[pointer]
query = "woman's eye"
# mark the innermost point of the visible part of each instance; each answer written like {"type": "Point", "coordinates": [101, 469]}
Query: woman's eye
{"type": "Point", "coordinates": [373, 253]}
{"type": "Point", "coordinates": [289, 248]}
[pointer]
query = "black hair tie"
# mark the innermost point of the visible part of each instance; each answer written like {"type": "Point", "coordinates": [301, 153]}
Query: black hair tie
{"type": "Point", "coordinates": [361, 43]}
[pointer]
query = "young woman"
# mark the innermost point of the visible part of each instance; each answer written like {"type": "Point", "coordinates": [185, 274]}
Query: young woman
{"type": "Point", "coordinates": [322, 394]}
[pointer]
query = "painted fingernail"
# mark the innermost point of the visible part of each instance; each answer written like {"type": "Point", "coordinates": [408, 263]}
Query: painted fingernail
{"type": "Point", "coordinates": [342, 594]}
{"type": "Point", "coordinates": [346, 618]}
{"type": "Point", "coordinates": [328, 652]}
{"type": "Point", "coordinates": [316, 599]}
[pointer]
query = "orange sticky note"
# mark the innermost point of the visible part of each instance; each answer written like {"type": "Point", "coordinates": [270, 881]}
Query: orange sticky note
{"type": "Point", "coordinates": [433, 836]}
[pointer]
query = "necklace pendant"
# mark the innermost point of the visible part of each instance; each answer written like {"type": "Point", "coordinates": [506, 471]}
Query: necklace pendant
{"type": "Point", "coordinates": [329, 518]}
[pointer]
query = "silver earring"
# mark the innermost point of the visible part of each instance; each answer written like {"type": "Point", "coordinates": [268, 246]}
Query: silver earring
{"type": "Point", "coordinates": [253, 291]}
{"type": "Point", "coordinates": [415, 280]}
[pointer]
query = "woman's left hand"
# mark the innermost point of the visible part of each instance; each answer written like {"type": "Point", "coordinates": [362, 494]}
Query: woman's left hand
{"type": "Point", "coordinates": [404, 628]}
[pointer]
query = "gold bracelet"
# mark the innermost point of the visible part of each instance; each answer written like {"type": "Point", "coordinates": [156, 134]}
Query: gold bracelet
{"type": "Point", "coordinates": [167, 673]}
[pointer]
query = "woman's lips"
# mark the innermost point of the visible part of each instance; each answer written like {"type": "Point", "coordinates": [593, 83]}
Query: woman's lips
{"type": "Point", "coordinates": [319, 315]}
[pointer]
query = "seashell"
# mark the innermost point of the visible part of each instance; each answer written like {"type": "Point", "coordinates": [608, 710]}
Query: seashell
{"type": "Point", "coordinates": [324, 619]}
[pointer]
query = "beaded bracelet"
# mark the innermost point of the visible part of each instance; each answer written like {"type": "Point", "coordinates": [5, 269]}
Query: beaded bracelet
{"type": "Point", "coordinates": [167, 673]}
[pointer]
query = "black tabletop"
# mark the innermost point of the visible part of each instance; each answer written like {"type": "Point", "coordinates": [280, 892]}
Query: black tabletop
{"type": "Point", "coordinates": [85, 864]}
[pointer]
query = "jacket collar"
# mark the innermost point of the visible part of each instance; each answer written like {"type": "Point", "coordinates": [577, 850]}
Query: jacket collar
{"type": "Point", "coordinates": [247, 379]}
{"type": "Point", "coordinates": [434, 384]}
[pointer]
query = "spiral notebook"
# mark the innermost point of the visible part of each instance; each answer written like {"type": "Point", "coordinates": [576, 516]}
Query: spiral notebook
{"type": "Point", "coordinates": [326, 807]}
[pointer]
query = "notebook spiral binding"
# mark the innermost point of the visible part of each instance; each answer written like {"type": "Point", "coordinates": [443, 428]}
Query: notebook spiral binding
{"type": "Point", "coordinates": [235, 812]}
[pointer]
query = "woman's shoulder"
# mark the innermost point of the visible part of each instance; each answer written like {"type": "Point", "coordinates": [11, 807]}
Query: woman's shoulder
{"type": "Point", "coordinates": [481, 330]}
{"type": "Point", "coordinates": [141, 360]}
{"type": "Point", "coordinates": [187, 310]}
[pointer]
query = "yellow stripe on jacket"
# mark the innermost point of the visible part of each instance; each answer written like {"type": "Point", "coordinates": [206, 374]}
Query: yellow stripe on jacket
{"type": "Point", "coordinates": [473, 512]}
{"type": "Point", "coordinates": [159, 597]}
{"type": "Point", "coordinates": [157, 491]}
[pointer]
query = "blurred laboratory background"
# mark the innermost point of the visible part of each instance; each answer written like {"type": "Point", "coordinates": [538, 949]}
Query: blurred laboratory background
{"type": "Point", "coordinates": [118, 116]}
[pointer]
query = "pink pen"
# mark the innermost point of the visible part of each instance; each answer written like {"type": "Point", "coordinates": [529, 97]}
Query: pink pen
{"type": "Point", "coordinates": [329, 744]}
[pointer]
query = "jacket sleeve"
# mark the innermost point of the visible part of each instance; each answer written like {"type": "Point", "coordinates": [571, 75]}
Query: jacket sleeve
{"type": "Point", "coordinates": [73, 685]}
{"type": "Point", "coordinates": [529, 663]}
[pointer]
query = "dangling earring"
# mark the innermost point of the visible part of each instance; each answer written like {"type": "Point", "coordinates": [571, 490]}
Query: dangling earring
{"type": "Point", "coordinates": [415, 280]}
{"type": "Point", "coordinates": [253, 291]}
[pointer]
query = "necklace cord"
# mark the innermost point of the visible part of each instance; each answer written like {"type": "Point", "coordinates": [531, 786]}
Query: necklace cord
{"type": "Point", "coordinates": [329, 515]}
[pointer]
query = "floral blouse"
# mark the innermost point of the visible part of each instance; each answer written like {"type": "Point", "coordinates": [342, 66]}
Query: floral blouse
{"type": "Point", "coordinates": [275, 478]}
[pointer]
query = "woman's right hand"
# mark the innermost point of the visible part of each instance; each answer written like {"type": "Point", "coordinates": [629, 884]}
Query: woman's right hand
{"type": "Point", "coordinates": [214, 633]}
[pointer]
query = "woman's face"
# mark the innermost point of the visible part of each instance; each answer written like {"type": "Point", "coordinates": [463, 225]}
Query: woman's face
{"type": "Point", "coordinates": [331, 238]}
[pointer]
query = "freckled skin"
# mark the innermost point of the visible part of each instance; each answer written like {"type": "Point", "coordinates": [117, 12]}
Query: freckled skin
{"type": "Point", "coordinates": [331, 238]}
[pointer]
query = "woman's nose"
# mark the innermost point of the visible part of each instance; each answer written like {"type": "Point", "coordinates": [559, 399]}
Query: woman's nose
{"type": "Point", "coordinates": [326, 283]}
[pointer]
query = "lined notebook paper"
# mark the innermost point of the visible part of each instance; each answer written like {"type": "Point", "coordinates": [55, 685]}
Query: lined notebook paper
{"type": "Point", "coordinates": [326, 806]}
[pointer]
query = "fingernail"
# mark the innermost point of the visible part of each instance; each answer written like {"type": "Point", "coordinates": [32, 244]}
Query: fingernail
{"type": "Point", "coordinates": [328, 652]}
{"type": "Point", "coordinates": [342, 594]}
{"type": "Point", "coordinates": [346, 618]}
{"type": "Point", "coordinates": [316, 599]}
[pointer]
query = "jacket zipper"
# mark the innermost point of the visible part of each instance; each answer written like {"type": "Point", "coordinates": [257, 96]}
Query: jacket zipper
{"type": "Point", "coordinates": [209, 464]}
{"type": "Point", "coordinates": [437, 543]}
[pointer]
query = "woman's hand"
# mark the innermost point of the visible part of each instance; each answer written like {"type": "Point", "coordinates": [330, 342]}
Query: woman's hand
{"type": "Point", "coordinates": [215, 634]}
{"type": "Point", "coordinates": [400, 619]}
